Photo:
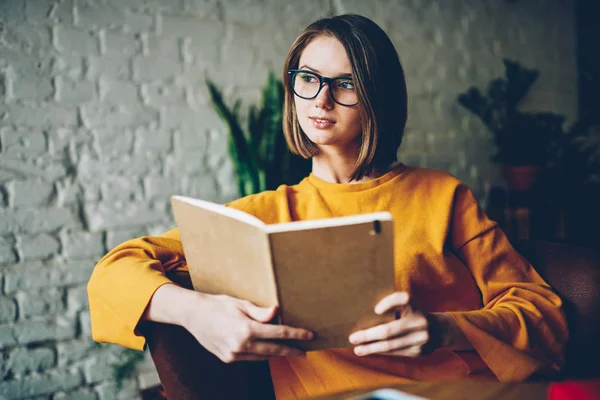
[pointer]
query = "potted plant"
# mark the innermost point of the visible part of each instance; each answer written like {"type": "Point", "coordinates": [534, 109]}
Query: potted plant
{"type": "Point", "coordinates": [261, 158]}
{"type": "Point", "coordinates": [525, 141]}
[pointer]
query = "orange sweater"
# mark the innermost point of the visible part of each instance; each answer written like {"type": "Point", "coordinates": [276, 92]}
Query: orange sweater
{"type": "Point", "coordinates": [449, 256]}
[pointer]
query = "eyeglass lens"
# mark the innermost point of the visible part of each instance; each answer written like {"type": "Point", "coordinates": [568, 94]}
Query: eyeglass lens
{"type": "Point", "coordinates": [307, 85]}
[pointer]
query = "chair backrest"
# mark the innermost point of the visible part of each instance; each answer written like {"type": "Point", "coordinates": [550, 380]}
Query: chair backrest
{"type": "Point", "coordinates": [574, 273]}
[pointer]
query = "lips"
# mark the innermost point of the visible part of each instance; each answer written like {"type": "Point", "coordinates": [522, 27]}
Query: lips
{"type": "Point", "coordinates": [322, 120]}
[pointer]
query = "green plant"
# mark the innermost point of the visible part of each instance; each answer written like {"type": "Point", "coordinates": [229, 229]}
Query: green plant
{"type": "Point", "coordinates": [125, 365]}
{"type": "Point", "coordinates": [521, 138]}
{"type": "Point", "coordinates": [259, 154]}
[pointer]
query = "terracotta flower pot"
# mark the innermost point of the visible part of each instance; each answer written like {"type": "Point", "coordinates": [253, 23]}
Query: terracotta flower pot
{"type": "Point", "coordinates": [522, 177]}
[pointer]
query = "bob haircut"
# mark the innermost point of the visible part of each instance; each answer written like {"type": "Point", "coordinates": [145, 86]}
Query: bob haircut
{"type": "Point", "coordinates": [381, 88]}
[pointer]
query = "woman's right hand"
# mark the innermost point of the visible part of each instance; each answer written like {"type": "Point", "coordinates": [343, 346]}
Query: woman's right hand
{"type": "Point", "coordinates": [237, 330]}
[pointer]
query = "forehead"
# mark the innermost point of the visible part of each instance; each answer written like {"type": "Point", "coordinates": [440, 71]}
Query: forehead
{"type": "Point", "coordinates": [326, 55]}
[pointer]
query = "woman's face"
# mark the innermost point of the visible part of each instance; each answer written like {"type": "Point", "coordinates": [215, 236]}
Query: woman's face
{"type": "Point", "coordinates": [325, 122]}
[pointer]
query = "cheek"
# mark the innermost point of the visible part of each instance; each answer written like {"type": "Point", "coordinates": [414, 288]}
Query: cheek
{"type": "Point", "coordinates": [353, 120]}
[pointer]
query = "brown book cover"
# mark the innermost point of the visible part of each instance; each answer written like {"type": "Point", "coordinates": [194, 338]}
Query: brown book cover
{"type": "Point", "coordinates": [324, 275]}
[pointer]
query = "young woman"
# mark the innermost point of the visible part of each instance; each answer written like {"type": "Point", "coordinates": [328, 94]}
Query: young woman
{"type": "Point", "coordinates": [469, 305]}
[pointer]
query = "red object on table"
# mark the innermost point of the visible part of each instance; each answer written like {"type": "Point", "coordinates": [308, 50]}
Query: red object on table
{"type": "Point", "coordinates": [575, 390]}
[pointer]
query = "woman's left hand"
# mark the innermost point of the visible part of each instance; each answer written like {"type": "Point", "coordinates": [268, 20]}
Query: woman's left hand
{"type": "Point", "coordinates": [415, 333]}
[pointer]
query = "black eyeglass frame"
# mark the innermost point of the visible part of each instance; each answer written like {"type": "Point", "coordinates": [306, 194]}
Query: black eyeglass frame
{"type": "Point", "coordinates": [322, 81]}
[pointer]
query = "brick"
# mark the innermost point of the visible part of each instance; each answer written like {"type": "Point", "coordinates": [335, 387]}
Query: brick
{"type": "Point", "coordinates": [29, 332]}
{"type": "Point", "coordinates": [48, 11]}
{"type": "Point", "coordinates": [32, 192]}
{"type": "Point", "coordinates": [38, 220]}
{"type": "Point", "coordinates": [115, 238]}
{"type": "Point", "coordinates": [85, 323]}
{"type": "Point", "coordinates": [122, 189]}
{"type": "Point", "coordinates": [12, 10]}
{"type": "Point", "coordinates": [205, 117]}
{"type": "Point", "coordinates": [156, 186]}
{"type": "Point", "coordinates": [150, 5]}
{"type": "Point", "coordinates": [83, 394]}
{"type": "Point", "coordinates": [158, 94]}
{"type": "Point", "coordinates": [97, 116]}
{"type": "Point", "coordinates": [24, 361]}
{"type": "Point", "coordinates": [43, 166]}
{"type": "Point", "coordinates": [100, 366]}
{"type": "Point", "coordinates": [7, 250]}
{"type": "Point", "coordinates": [35, 275]}
{"type": "Point", "coordinates": [40, 385]}
{"type": "Point", "coordinates": [130, 166]}
{"type": "Point", "coordinates": [117, 68]}
{"type": "Point", "coordinates": [28, 142]}
{"type": "Point", "coordinates": [8, 310]}
{"type": "Point", "coordinates": [96, 15]}
{"type": "Point", "coordinates": [118, 92]}
{"type": "Point", "coordinates": [76, 41]}
{"type": "Point", "coordinates": [126, 44]}
{"type": "Point", "coordinates": [203, 187]}
{"type": "Point", "coordinates": [45, 301]}
{"type": "Point", "coordinates": [77, 299]}
{"type": "Point", "coordinates": [113, 142]}
{"type": "Point", "coordinates": [137, 22]}
{"type": "Point", "coordinates": [203, 8]}
{"type": "Point", "coordinates": [69, 66]}
{"type": "Point", "coordinates": [127, 391]}
{"type": "Point", "coordinates": [112, 216]}
{"type": "Point", "coordinates": [81, 244]}
{"type": "Point", "coordinates": [72, 351]}
{"type": "Point", "coordinates": [161, 46]}
{"type": "Point", "coordinates": [41, 116]}
{"type": "Point", "coordinates": [37, 247]}
{"type": "Point", "coordinates": [32, 87]}
{"type": "Point", "coordinates": [153, 141]}
{"type": "Point", "coordinates": [72, 91]}
{"type": "Point", "coordinates": [156, 68]}
{"type": "Point", "coordinates": [67, 192]}
{"type": "Point", "coordinates": [26, 37]}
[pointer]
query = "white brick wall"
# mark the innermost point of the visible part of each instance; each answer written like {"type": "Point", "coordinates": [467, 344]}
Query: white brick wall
{"type": "Point", "coordinates": [104, 114]}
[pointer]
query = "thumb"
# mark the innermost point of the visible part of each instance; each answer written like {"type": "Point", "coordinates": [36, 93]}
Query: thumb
{"type": "Point", "coordinates": [259, 314]}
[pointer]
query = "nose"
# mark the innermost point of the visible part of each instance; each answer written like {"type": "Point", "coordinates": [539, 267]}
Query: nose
{"type": "Point", "coordinates": [323, 99]}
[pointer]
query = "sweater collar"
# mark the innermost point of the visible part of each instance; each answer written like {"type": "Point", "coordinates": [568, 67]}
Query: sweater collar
{"type": "Point", "coordinates": [356, 187]}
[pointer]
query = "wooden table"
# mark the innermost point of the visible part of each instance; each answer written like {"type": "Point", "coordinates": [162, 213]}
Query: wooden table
{"type": "Point", "coordinates": [463, 390]}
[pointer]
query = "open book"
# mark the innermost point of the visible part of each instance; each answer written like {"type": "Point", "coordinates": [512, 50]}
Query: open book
{"type": "Point", "coordinates": [324, 275]}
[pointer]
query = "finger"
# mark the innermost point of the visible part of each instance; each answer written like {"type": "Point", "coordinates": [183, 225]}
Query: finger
{"type": "Point", "coordinates": [394, 300]}
{"type": "Point", "coordinates": [260, 314]}
{"type": "Point", "coordinates": [268, 349]}
{"type": "Point", "coordinates": [265, 331]}
{"type": "Point", "coordinates": [399, 327]}
{"type": "Point", "coordinates": [401, 344]}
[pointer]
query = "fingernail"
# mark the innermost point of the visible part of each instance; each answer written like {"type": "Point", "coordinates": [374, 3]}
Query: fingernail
{"type": "Point", "coordinates": [309, 335]}
{"type": "Point", "coordinates": [353, 339]}
{"type": "Point", "coordinates": [359, 351]}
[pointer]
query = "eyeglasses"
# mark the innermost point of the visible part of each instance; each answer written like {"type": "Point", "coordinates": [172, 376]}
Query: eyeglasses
{"type": "Point", "coordinates": [308, 85]}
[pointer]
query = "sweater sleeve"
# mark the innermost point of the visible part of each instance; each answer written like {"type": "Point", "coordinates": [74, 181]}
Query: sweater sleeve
{"type": "Point", "coordinates": [124, 281]}
{"type": "Point", "coordinates": [521, 328]}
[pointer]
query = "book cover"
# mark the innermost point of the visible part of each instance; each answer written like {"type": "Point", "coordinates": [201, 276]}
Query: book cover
{"type": "Point", "coordinates": [324, 275]}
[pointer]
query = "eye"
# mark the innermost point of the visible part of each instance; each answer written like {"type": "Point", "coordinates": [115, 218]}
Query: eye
{"type": "Point", "coordinates": [308, 78]}
{"type": "Point", "coordinates": [345, 84]}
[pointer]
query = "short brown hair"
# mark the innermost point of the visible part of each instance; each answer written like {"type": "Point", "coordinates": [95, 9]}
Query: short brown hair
{"type": "Point", "coordinates": [381, 87]}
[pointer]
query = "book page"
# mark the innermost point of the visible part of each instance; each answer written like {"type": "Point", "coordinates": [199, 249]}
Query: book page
{"type": "Point", "coordinates": [221, 209]}
{"type": "Point", "coordinates": [225, 255]}
{"type": "Point", "coordinates": [329, 279]}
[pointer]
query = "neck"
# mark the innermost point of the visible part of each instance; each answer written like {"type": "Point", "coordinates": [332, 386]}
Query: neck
{"type": "Point", "coordinates": [336, 167]}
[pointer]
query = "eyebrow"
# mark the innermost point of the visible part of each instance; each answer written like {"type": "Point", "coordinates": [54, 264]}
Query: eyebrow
{"type": "Point", "coordinates": [343, 75]}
